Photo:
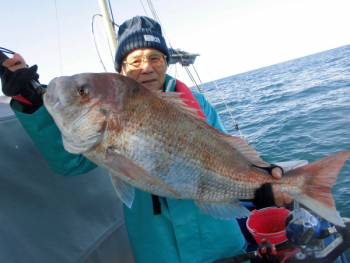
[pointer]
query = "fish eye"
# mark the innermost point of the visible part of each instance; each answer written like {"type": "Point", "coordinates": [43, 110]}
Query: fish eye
{"type": "Point", "coordinates": [83, 91]}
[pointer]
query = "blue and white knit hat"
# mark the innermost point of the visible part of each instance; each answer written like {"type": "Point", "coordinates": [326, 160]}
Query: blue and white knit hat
{"type": "Point", "coordinates": [139, 32]}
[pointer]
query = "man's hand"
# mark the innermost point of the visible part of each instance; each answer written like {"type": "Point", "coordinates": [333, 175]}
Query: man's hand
{"type": "Point", "coordinates": [280, 198]}
{"type": "Point", "coordinates": [16, 81]}
{"type": "Point", "coordinates": [266, 195]}
{"type": "Point", "coordinates": [14, 63]}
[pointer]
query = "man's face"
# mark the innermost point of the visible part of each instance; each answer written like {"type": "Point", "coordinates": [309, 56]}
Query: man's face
{"type": "Point", "coordinates": [147, 66]}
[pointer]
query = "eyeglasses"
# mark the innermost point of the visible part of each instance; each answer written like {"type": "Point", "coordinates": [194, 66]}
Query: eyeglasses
{"type": "Point", "coordinates": [152, 59]}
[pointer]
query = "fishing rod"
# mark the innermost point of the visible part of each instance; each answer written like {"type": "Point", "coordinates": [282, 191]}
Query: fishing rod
{"type": "Point", "coordinates": [3, 57]}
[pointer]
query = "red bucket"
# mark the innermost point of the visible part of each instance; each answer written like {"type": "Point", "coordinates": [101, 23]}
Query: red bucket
{"type": "Point", "coordinates": [268, 224]}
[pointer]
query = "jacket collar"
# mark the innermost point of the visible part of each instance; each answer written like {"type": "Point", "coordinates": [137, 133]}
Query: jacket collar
{"type": "Point", "coordinates": [169, 84]}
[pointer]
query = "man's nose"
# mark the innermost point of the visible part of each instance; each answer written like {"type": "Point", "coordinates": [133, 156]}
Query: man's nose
{"type": "Point", "coordinates": [146, 66]}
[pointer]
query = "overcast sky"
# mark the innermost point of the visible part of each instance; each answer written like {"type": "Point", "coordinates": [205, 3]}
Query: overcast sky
{"type": "Point", "coordinates": [231, 36]}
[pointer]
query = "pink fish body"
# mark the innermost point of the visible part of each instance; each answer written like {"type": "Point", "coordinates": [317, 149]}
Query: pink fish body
{"type": "Point", "coordinates": [155, 143]}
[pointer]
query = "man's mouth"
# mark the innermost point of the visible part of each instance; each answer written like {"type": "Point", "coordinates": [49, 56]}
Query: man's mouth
{"type": "Point", "coordinates": [148, 81]}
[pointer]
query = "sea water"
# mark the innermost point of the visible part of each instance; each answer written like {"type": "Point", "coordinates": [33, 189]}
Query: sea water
{"type": "Point", "coordinates": [295, 110]}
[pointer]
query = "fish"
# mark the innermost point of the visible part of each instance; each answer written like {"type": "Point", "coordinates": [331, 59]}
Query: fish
{"type": "Point", "coordinates": [154, 142]}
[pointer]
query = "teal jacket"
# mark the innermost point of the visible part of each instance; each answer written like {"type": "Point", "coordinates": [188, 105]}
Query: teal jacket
{"type": "Point", "coordinates": [180, 233]}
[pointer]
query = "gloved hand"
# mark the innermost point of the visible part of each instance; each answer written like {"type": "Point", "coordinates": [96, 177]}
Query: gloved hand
{"type": "Point", "coordinates": [265, 195]}
{"type": "Point", "coordinates": [16, 81]}
{"type": "Point", "coordinates": [19, 83]}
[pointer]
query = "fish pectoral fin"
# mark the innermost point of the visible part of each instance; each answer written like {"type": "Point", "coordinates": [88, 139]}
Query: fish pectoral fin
{"type": "Point", "coordinates": [125, 191]}
{"type": "Point", "coordinates": [226, 211]}
{"type": "Point", "coordinates": [135, 174]}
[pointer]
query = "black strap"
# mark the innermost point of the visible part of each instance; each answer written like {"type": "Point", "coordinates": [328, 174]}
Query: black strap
{"type": "Point", "coordinates": [156, 205]}
{"type": "Point", "coordinates": [269, 168]}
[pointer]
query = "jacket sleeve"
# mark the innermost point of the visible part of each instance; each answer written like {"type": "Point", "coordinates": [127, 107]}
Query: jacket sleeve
{"type": "Point", "coordinates": [47, 138]}
{"type": "Point", "coordinates": [209, 112]}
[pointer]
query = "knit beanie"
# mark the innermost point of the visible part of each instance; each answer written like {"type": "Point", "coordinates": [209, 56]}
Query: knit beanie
{"type": "Point", "coordinates": [139, 32]}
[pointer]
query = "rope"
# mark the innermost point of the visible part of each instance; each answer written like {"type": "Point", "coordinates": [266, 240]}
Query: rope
{"type": "Point", "coordinates": [153, 11]}
{"type": "Point", "coordinates": [193, 79]}
{"type": "Point", "coordinates": [236, 126]}
{"type": "Point", "coordinates": [95, 43]}
{"type": "Point", "coordinates": [156, 17]}
{"type": "Point", "coordinates": [143, 7]}
{"type": "Point", "coordinates": [59, 39]}
{"type": "Point", "coordinates": [197, 74]}
{"type": "Point", "coordinates": [112, 16]}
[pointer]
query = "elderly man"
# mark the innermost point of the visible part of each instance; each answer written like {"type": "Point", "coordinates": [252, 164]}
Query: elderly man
{"type": "Point", "coordinates": [159, 229]}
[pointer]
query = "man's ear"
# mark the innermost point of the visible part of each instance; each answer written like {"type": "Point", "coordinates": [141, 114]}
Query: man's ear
{"type": "Point", "coordinates": [122, 70]}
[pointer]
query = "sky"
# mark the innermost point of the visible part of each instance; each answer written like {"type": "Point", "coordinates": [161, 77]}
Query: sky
{"type": "Point", "coordinates": [231, 36]}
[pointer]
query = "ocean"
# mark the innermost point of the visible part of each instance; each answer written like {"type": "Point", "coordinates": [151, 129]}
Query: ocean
{"type": "Point", "coordinates": [295, 110]}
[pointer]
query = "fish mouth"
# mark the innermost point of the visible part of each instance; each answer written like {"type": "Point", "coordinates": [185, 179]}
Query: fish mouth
{"type": "Point", "coordinates": [51, 102]}
{"type": "Point", "coordinates": [49, 98]}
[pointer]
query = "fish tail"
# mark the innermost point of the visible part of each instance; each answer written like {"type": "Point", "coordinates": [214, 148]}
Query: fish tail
{"type": "Point", "coordinates": [316, 192]}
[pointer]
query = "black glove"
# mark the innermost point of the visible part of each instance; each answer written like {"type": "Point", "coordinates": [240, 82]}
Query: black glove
{"type": "Point", "coordinates": [263, 196]}
{"type": "Point", "coordinates": [18, 83]}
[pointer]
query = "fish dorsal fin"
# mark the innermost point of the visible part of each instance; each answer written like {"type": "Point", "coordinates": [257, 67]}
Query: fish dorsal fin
{"type": "Point", "coordinates": [245, 149]}
{"type": "Point", "coordinates": [239, 144]}
{"type": "Point", "coordinates": [180, 103]}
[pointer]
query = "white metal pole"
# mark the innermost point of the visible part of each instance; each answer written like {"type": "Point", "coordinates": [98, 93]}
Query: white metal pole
{"type": "Point", "coordinates": [112, 38]}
